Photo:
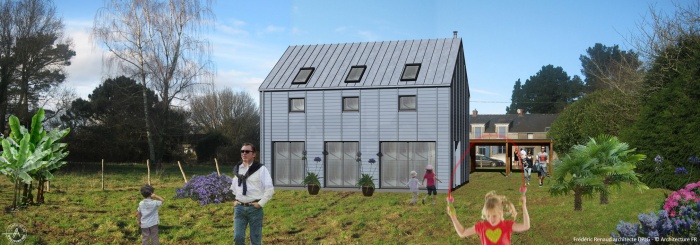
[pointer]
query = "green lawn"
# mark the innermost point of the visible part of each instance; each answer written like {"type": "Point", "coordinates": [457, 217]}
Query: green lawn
{"type": "Point", "coordinates": [77, 211]}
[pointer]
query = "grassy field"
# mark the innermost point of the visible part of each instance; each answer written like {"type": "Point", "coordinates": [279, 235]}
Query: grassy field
{"type": "Point", "coordinates": [77, 211]}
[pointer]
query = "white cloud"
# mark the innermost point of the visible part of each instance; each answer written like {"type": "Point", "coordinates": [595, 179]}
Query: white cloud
{"type": "Point", "coordinates": [240, 81]}
{"type": "Point", "coordinates": [297, 31]}
{"type": "Point", "coordinates": [480, 91]}
{"type": "Point", "coordinates": [341, 29]}
{"type": "Point", "coordinates": [85, 71]}
{"type": "Point", "coordinates": [272, 28]}
{"type": "Point", "coordinates": [368, 35]}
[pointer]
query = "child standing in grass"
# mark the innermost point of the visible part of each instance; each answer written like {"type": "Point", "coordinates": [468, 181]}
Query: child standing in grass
{"type": "Point", "coordinates": [413, 185]}
{"type": "Point", "coordinates": [431, 177]}
{"type": "Point", "coordinates": [147, 214]}
{"type": "Point", "coordinates": [493, 229]}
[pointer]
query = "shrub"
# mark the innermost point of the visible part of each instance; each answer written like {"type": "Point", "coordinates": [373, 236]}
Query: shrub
{"type": "Point", "coordinates": [679, 219]}
{"type": "Point", "coordinates": [207, 189]}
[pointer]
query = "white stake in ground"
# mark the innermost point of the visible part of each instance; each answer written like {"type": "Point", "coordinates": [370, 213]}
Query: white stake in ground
{"type": "Point", "coordinates": [217, 167]}
{"type": "Point", "coordinates": [103, 174]}
{"type": "Point", "coordinates": [148, 167]}
{"type": "Point", "coordinates": [183, 172]}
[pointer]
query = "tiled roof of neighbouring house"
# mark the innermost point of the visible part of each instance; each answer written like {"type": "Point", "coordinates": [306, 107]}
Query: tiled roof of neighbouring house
{"type": "Point", "coordinates": [519, 124]}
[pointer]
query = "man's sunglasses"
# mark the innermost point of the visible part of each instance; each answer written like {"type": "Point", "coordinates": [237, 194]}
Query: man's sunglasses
{"type": "Point", "coordinates": [246, 151]}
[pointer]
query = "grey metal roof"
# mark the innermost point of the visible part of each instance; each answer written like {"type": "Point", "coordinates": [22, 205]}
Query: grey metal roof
{"type": "Point", "coordinates": [384, 60]}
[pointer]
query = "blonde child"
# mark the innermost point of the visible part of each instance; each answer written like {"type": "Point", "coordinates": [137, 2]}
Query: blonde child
{"type": "Point", "coordinates": [413, 185]}
{"type": "Point", "coordinates": [493, 229]}
{"type": "Point", "coordinates": [431, 177]}
{"type": "Point", "coordinates": [147, 215]}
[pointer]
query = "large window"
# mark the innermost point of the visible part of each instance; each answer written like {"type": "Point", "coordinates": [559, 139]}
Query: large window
{"type": "Point", "coordinates": [399, 158]}
{"type": "Point", "coordinates": [410, 72]}
{"type": "Point", "coordinates": [407, 103]}
{"type": "Point", "coordinates": [351, 103]}
{"type": "Point", "coordinates": [297, 104]}
{"type": "Point", "coordinates": [342, 169]}
{"type": "Point", "coordinates": [303, 75]}
{"type": "Point", "coordinates": [288, 166]}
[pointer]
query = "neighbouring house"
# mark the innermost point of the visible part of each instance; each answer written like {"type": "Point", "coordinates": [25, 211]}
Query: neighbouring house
{"type": "Point", "coordinates": [497, 135]}
{"type": "Point", "coordinates": [399, 104]}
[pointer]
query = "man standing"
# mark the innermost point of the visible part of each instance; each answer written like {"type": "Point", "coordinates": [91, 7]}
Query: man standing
{"type": "Point", "coordinates": [252, 186]}
{"type": "Point", "coordinates": [542, 162]}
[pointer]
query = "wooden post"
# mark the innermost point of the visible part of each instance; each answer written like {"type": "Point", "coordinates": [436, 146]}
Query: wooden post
{"type": "Point", "coordinates": [217, 167]}
{"type": "Point", "coordinates": [183, 172]}
{"type": "Point", "coordinates": [148, 167]}
{"type": "Point", "coordinates": [103, 174]}
{"type": "Point", "coordinates": [47, 186]}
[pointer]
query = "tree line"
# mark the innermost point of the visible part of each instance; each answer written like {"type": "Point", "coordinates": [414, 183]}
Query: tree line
{"type": "Point", "coordinates": [647, 96]}
{"type": "Point", "coordinates": [160, 100]}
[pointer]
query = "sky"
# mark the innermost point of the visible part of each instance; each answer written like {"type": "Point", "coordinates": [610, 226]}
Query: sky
{"type": "Point", "coordinates": [503, 40]}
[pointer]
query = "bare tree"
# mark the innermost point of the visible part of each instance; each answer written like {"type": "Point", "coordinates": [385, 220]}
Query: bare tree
{"type": "Point", "coordinates": [234, 114]}
{"type": "Point", "coordinates": [158, 42]}
{"type": "Point", "coordinates": [660, 32]}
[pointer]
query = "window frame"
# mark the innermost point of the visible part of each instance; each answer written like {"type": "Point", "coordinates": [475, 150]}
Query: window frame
{"type": "Point", "coordinates": [347, 78]}
{"type": "Point", "coordinates": [290, 107]}
{"type": "Point", "coordinates": [294, 80]}
{"type": "Point", "coordinates": [351, 97]}
{"type": "Point", "coordinates": [403, 73]}
{"type": "Point", "coordinates": [406, 96]}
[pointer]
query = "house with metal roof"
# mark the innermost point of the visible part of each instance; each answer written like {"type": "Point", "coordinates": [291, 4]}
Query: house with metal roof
{"type": "Point", "coordinates": [379, 108]}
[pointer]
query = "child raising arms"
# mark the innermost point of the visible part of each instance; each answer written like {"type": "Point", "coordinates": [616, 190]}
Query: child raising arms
{"type": "Point", "coordinates": [494, 229]}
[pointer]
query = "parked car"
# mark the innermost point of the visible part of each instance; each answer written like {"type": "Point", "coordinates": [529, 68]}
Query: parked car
{"type": "Point", "coordinates": [484, 161]}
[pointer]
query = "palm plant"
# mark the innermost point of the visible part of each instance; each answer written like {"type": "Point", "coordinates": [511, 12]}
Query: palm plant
{"type": "Point", "coordinates": [579, 173]}
{"type": "Point", "coordinates": [602, 162]}
{"type": "Point", "coordinates": [618, 160]}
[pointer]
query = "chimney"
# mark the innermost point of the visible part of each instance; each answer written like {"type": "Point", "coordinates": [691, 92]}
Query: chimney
{"type": "Point", "coordinates": [520, 112]}
{"type": "Point", "coordinates": [455, 34]}
{"type": "Point", "coordinates": [475, 112]}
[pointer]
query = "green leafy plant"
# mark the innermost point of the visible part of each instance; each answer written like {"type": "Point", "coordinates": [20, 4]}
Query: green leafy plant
{"type": "Point", "coordinates": [312, 179]}
{"type": "Point", "coordinates": [365, 180]}
{"type": "Point", "coordinates": [31, 154]}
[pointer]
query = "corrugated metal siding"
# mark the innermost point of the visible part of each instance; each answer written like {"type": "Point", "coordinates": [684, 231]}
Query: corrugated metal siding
{"type": "Point", "coordinates": [408, 120]}
{"type": "Point", "coordinates": [279, 116]}
{"type": "Point", "coordinates": [332, 109]}
{"type": "Point", "coordinates": [384, 60]}
{"type": "Point", "coordinates": [351, 119]}
{"type": "Point", "coordinates": [388, 114]}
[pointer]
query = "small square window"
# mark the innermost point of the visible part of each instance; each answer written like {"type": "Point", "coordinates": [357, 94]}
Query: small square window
{"type": "Point", "coordinates": [407, 103]}
{"type": "Point", "coordinates": [351, 103]}
{"type": "Point", "coordinates": [296, 104]}
{"type": "Point", "coordinates": [355, 74]}
{"type": "Point", "coordinates": [303, 75]}
{"type": "Point", "coordinates": [410, 72]}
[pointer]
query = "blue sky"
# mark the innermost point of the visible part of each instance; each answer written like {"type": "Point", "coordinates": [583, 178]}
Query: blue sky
{"type": "Point", "coordinates": [503, 40]}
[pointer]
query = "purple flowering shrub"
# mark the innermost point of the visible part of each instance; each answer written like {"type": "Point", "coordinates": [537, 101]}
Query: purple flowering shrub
{"type": "Point", "coordinates": [680, 218]}
{"type": "Point", "coordinates": [207, 189]}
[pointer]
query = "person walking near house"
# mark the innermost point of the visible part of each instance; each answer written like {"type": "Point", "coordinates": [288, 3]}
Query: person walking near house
{"type": "Point", "coordinates": [252, 186]}
{"type": "Point", "coordinates": [542, 158]}
{"type": "Point", "coordinates": [516, 159]}
{"type": "Point", "coordinates": [431, 177]}
{"type": "Point", "coordinates": [527, 166]}
{"type": "Point", "coordinates": [413, 186]}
